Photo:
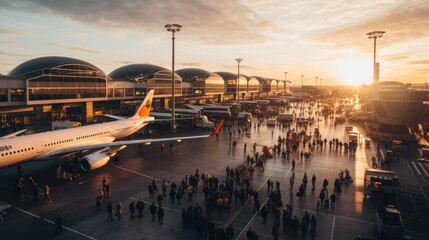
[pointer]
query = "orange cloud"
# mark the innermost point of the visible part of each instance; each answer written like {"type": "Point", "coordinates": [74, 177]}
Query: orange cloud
{"type": "Point", "coordinates": [403, 24]}
{"type": "Point", "coordinates": [86, 50]}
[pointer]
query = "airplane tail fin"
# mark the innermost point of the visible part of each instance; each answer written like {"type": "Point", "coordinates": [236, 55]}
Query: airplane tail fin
{"type": "Point", "coordinates": [145, 107]}
{"type": "Point", "coordinates": [217, 129]}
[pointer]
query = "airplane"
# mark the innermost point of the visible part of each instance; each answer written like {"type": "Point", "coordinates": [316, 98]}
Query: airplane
{"type": "Point", "coordinates": [16, 149]}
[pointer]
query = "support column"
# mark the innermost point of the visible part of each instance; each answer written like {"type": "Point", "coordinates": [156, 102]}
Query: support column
{"type": "Point", "coordinates": [87, 112]}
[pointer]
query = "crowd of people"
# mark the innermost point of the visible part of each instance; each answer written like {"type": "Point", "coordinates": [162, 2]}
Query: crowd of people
{"type": "Point", "coordinates": [234, 189]}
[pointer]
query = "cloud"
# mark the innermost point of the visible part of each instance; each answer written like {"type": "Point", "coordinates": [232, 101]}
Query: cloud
{"type": "Point", "coordinates": [9, 54]}
{"type": "Point", "coordinates": [425, 61]}
{"type": "Point", "coordinates": [123, 62]}
{"type": "Point", "coordinates": [402, 24]}
{"type": "Point", "coordinates": [242, 67]}
{"type": "Point", "coordinates": [220, 22]}
{"type": "Point", "coordinates": [396, 57]}
{"type": "Point", "coordinates": [12, 32]}
{"type": "Point", "coordinates": [62, 45]}
{"type": "Point", "coordinates": [7, 42]}
{"type": "Point", "coordinates": [192, 64]}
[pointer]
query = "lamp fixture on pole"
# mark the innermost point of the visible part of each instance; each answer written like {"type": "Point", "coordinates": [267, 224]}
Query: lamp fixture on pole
{"type": "Point", "coordinates": [374, 35]}
{"type": "Point", "coordinates": [285, 83]}
{"type": "Point", "coordinates": [238, 80]}
{"type": "Point", "coordinates": [173, 28]}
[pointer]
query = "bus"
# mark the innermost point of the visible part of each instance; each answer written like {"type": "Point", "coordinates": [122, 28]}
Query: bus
{"type": "Point", "coordinates": [380, 182]}
{"type": "Point", "coordinates": [285, 117]}
{"type": "Point", "coordinates": [217, 111]}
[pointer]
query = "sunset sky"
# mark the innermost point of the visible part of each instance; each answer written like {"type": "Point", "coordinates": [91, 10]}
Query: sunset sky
{"type": "Point", "coordinates": [313, 38]}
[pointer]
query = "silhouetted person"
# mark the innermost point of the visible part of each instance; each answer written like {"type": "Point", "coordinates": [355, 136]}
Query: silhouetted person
{"type": "Point", "coordinates": [58, 224]}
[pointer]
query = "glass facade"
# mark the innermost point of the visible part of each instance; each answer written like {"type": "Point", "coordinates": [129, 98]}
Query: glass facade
{"type": "Point", "coordinates": [66, 82]}
{"type": "Point", "coordinates": [253, 85]}
{"type": "Point", "coordinates": [281, 86]}
{"type": "Point", "coordinates": [243, 84]}
{"type": "Point", "coordinates": [214, 85]}
{"type": "Point", "coordinates": [161, 83]}
{"type": "Point", "coordinates": [3, 95]}
{"type": "Point", "coordinates": [273, 86]}
{"type": "Point", "coordinates": [17, 95]}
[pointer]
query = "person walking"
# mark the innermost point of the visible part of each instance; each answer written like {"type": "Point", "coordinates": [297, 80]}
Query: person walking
{"type": "Point", "coordinates": [58, 224]}
{"type": "Point", "coordinates": [119, 211]}
{"type": "Point", "coordinates": [160, 214]}
{"type": "Point", "coordinates": [110, 211]}
{"type": "Point", "coordinates": [275, 231]}
{"type": "Point", "coordinates": [164, 188]}
{"type": "Point", "coordinates": [153, 211]}
{"type": "Point", "coordinates": [132, 209]}
{"type": "Point", "coordinates": [140, 208]}
{"type": "Point", "coordinates": [46, 194]}
{"type": "Point", "coordinates": [313, 181]}
{"type": "Point", "coordinates": [333, 199]}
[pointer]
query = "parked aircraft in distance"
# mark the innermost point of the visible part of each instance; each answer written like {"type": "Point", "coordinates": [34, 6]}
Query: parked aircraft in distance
{"type": "Point", "coordinates": [101, 137]}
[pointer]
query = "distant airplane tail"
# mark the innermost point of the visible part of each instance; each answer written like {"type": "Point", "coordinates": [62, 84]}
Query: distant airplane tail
{"type": "Point", "coordinates": [217, 129]}
{"type": "Point", "coordinates": [144, 109]}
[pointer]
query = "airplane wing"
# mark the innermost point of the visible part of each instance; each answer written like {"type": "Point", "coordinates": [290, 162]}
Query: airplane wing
{"type": "Point", "coordinates": [118, 145]}
{"type": "Point", "coordinates": [114, 117]}
{"type": "Point", "coordinates": [14, 134]}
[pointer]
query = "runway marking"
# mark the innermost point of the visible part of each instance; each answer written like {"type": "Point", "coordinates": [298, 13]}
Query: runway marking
{"type": "Point", "coordinates": [82, 182]}
{"type": "Point", "coordinates": [423, 168]}
{"type": "Point", "coordinates": [131, 171]}
{"type": "Point", "coordinates": [4, 185]}
{"type": "Point", "coordinates": [332, 215]}
{"type": "Point", "coordinates": [254, 215]}
{"type": "Point", "coordinates": [49, 221]}
{"type": "Point", "coordinates": [415, 167]}
{"type": "Point", "coordinates": [332, 230]}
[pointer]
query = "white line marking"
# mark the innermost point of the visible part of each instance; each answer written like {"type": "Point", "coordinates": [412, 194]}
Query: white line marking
{"type": "Point", "coordinates": [4, 185]}
{"type": "Point", "coordinates": [49, 221]}
{"type": "Point", "coordinates": [333, 226]}
{"type": "Point", "coordinates": [265, 201]}
{"type": "Point", "coordinates": [423, 168]}
{"type": "Point", "coordinates": [416, 168]}
{"type": "Point", "coordinates": [131, 171]}
{"type": "Point", "coordinates": [332, 215]}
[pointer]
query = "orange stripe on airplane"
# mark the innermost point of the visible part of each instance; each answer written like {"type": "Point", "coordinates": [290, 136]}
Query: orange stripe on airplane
{"type": "Point", "coordinates": [144, 112]}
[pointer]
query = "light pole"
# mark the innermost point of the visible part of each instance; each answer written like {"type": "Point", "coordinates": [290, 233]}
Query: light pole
{"type": "Point", "coordinates": [302, 88]}
{"type": "Point", "coordinates": [173, 28]}
{"type": "Point", "coordinates": [316, 80]}
{"type": "Point", "coordinates": [374, 35]}
{"type": "Point", "coordinates": [238, 80]}
{"type": "Point", "coordinates": [285, 83]}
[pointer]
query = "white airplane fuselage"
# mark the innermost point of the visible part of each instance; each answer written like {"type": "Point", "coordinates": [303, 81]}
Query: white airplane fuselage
{"type": "Point", "coordinates": [39, 146]}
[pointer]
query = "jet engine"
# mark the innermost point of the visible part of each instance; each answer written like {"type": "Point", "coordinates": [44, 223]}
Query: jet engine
{"type": "Point", "coordinates": [93, 161]}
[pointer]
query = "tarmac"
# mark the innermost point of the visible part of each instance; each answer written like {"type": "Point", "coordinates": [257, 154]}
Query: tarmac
{"type": "Point", "coordinates": [137, 165]}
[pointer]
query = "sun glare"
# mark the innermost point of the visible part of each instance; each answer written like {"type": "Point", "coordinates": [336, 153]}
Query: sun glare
{"type": "Point", "coordinates": [355, 71]}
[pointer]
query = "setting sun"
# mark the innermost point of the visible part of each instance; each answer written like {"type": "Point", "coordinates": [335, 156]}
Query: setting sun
{"type": "Point", "coordinates": [355, 71]}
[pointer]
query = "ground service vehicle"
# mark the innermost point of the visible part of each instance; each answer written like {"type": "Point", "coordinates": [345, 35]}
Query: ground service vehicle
{"type": "Point", "coordinates": [271, 122]}
{"type": "Point", "coordinates": [203, 122]}
{"type": "Point", "coordinates": [389, 223]}
{"type": "Point", "coordinates": [285, 117]}
{"type": "Point", "coordinates": [64, 124]}
{"type": "Point", "coordinates": [380, 182]}
{"type": "Point", "coordinates": [244, 116]}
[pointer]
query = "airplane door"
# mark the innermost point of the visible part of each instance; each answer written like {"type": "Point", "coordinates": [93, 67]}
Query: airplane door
{"type": "Point", "coordinates": [39, 146]}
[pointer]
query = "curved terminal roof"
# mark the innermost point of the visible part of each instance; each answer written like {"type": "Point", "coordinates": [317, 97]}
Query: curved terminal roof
{"type": "Point", "coordinates": [131, 71]}
{"type": "Point", "coordinates": [227, 75]}
{"type": "Point", "coordinates": [189, 74]}
{"type": "Point", "coordinates": [48, 62]}
{"type": "Point", "coordinates": [262, 79]}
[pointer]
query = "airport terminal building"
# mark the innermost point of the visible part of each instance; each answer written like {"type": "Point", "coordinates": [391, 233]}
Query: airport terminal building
{"type": "Point", "coordinates": [49, 88]}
